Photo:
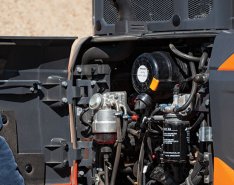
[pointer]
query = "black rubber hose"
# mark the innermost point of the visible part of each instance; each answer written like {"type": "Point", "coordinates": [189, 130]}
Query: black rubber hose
{"type": "Point", "coordinates": [114, 53]}
{"type": "Point", "coordinates": [198, 121]}
{"type": "Point", "coordinates": [118, 152]}
{"type": "Point", "coordinates": [183, 55]}
{"type": "Point", "coordinates": [141, 162]}
{"type": "Point", "coordinates": [106, 170]}
{"type": "Point", "coordinates": [192, 93]}
{"type": "Point", "coordinates": [190, 99]}
{"type": "Point", "coordinates": [129, 111]}
{"type": "Point", "coordinates": [203, 61]}
{"type": "Point", "coordinates": [155, 111]}
{"type": "Point", "coordinates": [124, 128]}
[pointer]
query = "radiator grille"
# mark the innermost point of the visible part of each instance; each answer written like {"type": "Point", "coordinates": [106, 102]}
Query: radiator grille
{"type": "Point", "coordinates": [152, 10]}
{"type": "Point", "coordinates": [110, 13]}
{"type": "Point", "coordinates": [199, 9]}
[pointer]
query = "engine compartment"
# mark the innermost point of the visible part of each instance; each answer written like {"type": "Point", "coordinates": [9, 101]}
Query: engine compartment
{"type": "Point", "coordinates": [126, 110]}
{"type": "Point", "coordinates": [144, 106]}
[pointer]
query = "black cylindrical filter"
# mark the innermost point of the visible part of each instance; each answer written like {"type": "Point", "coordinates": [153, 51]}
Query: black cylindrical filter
{"type": "Point", "coordinates": [175, 139]}
{"type": "Point", "coordinates": [155, 74]}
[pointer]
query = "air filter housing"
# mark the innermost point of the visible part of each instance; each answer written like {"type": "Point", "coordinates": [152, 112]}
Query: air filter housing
{"type": "Point", "coordinates": [155, 74]}
{"type": "Point", "coordinates": [146, 16]}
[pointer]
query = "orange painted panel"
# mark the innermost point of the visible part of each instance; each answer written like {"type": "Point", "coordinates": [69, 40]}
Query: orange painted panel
{"type": "Point", "coordinates": [223, 174]}
{"type": "Point", "coordinates": [228, 65]}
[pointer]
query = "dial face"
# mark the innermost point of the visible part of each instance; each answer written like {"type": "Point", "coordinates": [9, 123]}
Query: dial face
{"type": "Point", "coordinates": [142, 73]}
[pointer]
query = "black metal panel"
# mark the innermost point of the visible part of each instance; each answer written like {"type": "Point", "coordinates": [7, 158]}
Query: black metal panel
{"type": "Point", "coordinates": [32, 73]}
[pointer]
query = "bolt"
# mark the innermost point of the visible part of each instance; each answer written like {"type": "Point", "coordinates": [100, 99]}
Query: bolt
{"type": "Point", "coordinates": [65, 163]}
{"type": "Point", "coordinates": [64, 84]}
{"type": "Point", "coordinates": [93, 82]}
{"type": "Point", "coordinates": [28, 168]}
{"type": "Point", "coordinates": [79, 70]}
{"type": "Point", "coordinates": [206, 179]}
{"type": "Point", "coordinates": [207, 103]}
{"type": "Point", "coordinates": [32, 89]}
{"type": "Point", "coordinates": [81, 173]}
{"type": "Point", "coordinates": [64, 100]}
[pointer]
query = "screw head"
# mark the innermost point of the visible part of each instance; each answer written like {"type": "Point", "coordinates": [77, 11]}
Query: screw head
{"type": "Point", "coordinates": [93, 82]}
{"type": "Point", "coordinates": [81, 173]}
{"type": "Point", "coordinates": [207, 103]}
{"type": "Point", "coordinates": [32, 89]}
{"type": "Point", "coordinates": [78, 69]}
{"type": "Point", "coordinates": [64, 84]}
{"type": "Point", "coordinates": [64, 100]}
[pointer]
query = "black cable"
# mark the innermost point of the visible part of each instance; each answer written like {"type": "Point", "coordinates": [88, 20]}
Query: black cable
{"type": "Point", "coordinates": [183, 55]}
{"type": "Point", "coordinates": [82, 119]}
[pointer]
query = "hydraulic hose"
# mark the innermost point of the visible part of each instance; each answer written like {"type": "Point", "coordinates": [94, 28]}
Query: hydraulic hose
{"type": "Point", "coordinates": [118, 152]}
{"type": "Point", "coordinates": [141, 163]}
{"type": "Point", "coordinates": [124, 128]}
{"type": "Point", "coordinates": [106, 170]}
{"type": "Point", "coordinates": [129, 111]}
{"type": "Point", "coordinates": [192, 93]}
{"type": "Point", "coordinates": [72, 60]}
{"type": "Point", "coordinates": [183, 55]}
{"type": "Point", "coordinates": [76, 46]}
{"type": "Point", "coordinates": [198, 122]}
{"type": "Point", "coordinates": [203, 61]}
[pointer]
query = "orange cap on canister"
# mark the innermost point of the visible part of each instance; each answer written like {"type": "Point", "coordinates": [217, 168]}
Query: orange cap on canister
{"type": "Point", "coordinates": [154, 84]}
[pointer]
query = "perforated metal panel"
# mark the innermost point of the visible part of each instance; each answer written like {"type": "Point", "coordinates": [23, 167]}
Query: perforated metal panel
{"type": "Point", "coordinates": [110, 13]}
{"type": "Point", "coordinates": [147, 10]}
{"type": "Point", "coordinates": [199, 9]}
{"type": "Point", "coordinates": [152, 10]}
{"type": "Point", "coordinates": [151, 16]}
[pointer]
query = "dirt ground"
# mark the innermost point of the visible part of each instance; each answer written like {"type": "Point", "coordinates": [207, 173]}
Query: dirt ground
{"type": "Point", "coordinates": [45, 17]}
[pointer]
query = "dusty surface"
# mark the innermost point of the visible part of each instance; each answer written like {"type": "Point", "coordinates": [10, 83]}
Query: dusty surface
{"type": "Point", "coordinates": [45, 17]}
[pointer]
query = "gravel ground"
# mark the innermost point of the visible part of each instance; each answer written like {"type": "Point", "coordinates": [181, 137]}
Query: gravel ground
{"type": "Point", "coordinates": [45, 17]}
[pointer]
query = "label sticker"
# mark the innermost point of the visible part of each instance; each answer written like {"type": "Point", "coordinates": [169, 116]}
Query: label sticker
{"type": "Point", "coordinates": [142, 73]}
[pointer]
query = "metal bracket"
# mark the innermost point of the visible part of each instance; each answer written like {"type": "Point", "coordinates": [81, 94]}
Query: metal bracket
{"type": "Point", "coordinates": [205, 134]}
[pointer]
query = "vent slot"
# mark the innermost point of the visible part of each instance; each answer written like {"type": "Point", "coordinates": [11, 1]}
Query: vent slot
{"type": "Point", "coordinates": [199, 9]}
